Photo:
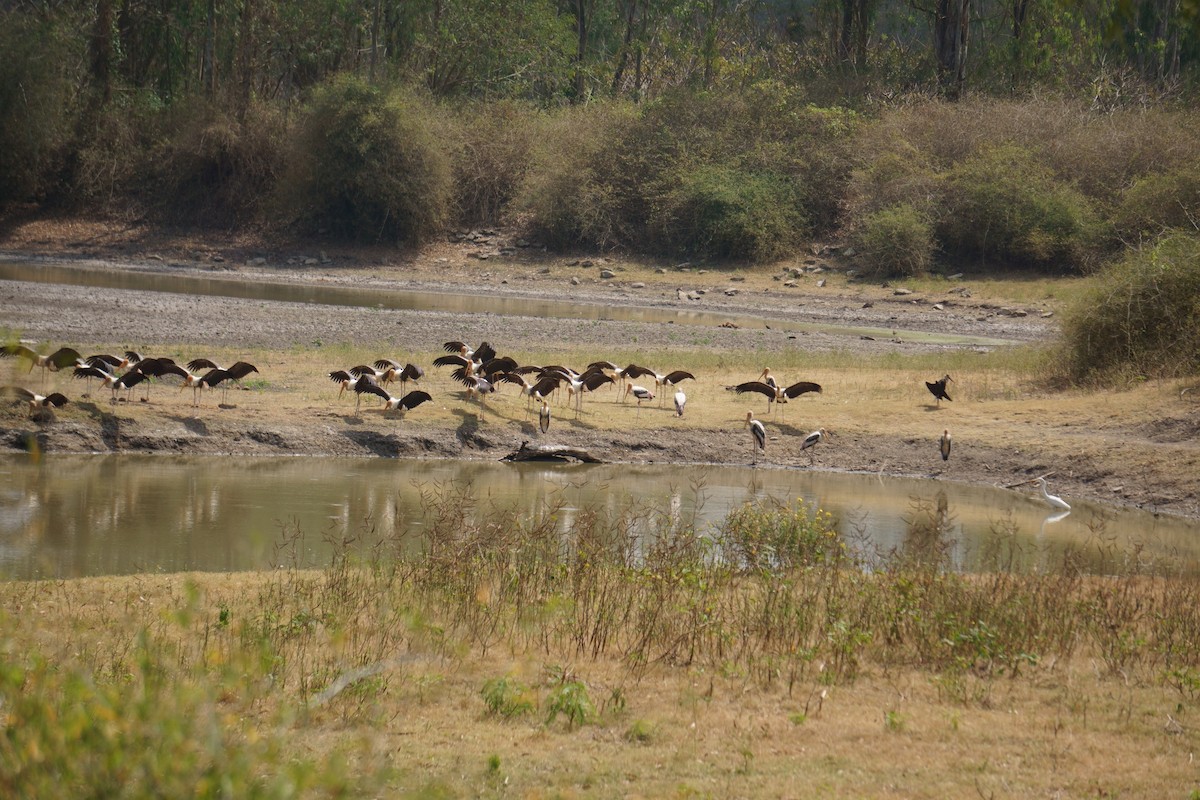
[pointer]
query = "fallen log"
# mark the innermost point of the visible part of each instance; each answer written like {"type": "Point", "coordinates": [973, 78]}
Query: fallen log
{"type": "Point", "coordinates": [551, 452]}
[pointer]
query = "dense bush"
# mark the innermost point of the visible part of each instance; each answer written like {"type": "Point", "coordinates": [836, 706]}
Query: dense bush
{"type": "Point", "coordinates": [215, 169]}
{"type": "Point", "coordinates": [725, 175]}
{"type": "Point", "coordinates": [367, 165]}
{"type": "Point", "coordinates": [1141, 316]}
{"type": "Point", "coordinates": [1002, 204]}
{"type": "Point", "coordinates": [492, 145]}
{"type": "Point", "coordinates": [723, 213]}
{"type": "Point", "coordinates": [562, 199]}
{"type": "Point", "coordinates": [113, 166]}
{"type": "Point", "coordinates": [896, 240]}
{"type": "Point", "coordinates": [36, 106]}
{"type": "Point", "coordinates": [1159, 202]}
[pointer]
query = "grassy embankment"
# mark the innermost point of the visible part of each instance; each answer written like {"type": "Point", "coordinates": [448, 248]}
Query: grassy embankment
{"type": "Point", "coordinates": [504, 659]}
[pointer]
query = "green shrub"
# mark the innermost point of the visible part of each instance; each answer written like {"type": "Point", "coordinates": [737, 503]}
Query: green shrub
{"type": "Point", "coordinates": [723, 213]}
{"type": "Point", "coordinates": [896, 241]}
{"type": "Point", "coordinates": [1002, 204]}
{"type": "Point", "coordinates": [726, 175]}
{"type": "Point", "coordinates": [564, 201]}
{"type": "Point", "coordinates": [368, 166]}
{"type": "Point", "coordinates": [766, 536]}
{"type": "Point", "coordinates": [1161, 201]}
{"type": "Point", "coordinates": [36, 98]}
{"type": "Point", "coordinates": [1141, 317]}
{"type": "Point", "coordinates": [69, 733]}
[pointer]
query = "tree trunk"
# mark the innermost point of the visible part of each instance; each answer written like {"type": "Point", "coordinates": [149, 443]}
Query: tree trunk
{"type": "Point", "coordinates": [950, 28]}
{"type": "Point", "coordinates": [101, 53]}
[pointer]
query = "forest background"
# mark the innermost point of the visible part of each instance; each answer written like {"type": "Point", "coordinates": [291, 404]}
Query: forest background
{"type": "Point", "coordinates": [1045, 135]}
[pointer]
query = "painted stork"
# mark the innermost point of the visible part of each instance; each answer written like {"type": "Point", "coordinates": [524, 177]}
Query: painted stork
{"type": "Point", "coordinates": [777, 394]}
{"type": "Point", "coordinates": [108, 379]}
{"type": "Point", "coordinates": [538, 389]}
{"type": "Point", "coordinates": [758, 436]}
{"type": "Point", "coordinates": [191, 380]}
{"type": "Point", "coordinates": [479, 355]}
{"type": "Point", "coordinates": [402, 404]}
{"type": "Point", "coordinates": [641, 393]}
{"type": "Point", "coordinates": [218, 375]}
{"type": "Point", "coordinates": [587, 382]}
{"type": "Point", "coordinates": [402, 372]}
{"type": "Point", "coordinates": [938, 389]}
{"type": "Point", "coordinates": [944, 445]}
{"type": "Point", "coordinates": [680, 402]}
{"type": "Point", "coordinates": [61, 358]}
{"type": "Point", "coordinates": [56, 399]}
{"type": "Point", "coordinates": [811, 441]}
{"type": "Point", "coordinates": [544, 417]}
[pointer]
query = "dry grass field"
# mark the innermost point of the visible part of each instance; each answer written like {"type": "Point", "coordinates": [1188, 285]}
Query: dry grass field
{"type": "Point", "coordinates": [501, 663]}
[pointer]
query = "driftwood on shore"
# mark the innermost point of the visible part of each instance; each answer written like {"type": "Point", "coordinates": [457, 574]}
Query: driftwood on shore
{"type": "Point", "coordinates": [550, 452]}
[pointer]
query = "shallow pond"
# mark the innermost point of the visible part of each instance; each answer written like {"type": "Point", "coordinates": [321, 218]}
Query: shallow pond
{"type": "Point", "coordinates": [70, 516]}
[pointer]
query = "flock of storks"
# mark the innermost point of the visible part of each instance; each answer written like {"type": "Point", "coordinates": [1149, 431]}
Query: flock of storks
{"type": "Point", "coordinates": [120, 372]}
{"type": "Point", "coordinates": [480, 370]}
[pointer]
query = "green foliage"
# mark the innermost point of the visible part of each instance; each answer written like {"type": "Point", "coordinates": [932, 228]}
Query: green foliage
{"type": "Point", "coordinates": [569, 697]}
{"type": "Point", "coordinates": [495, 48]}
{"type": "Point", "coordinates": [1141, 316]}
{"type": "Point", "coordinates": [1001, 204]}
{"type": "Point", "coordinates": [68, 733]}
{"type": "Point", "coordinates": [896, 241]}
{"type": "Point", "coordinates": [722, 175]}
{"type": "Point", "coordinates": [773, 537]}
{"type": "Point", "coordinates": [722, 213]}
{"type": "Point", "coordinates": [507, 698]}
{"type": "Point", "coordinates": [1161, 201]}
{"type": "Point", "coordinates": [368, 166]}
{"type": "Point", "coordinates": [37, 111]}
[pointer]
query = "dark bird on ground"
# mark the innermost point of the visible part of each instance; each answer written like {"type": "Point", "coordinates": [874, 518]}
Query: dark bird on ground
{"type": "Point", "coordinates": [544, 417]}
{"type": "Point", "coordinates": [812, 440]}
{"type": "Point", "coordinates": [35, 400]}
{"type": "Point", "coordinates": [401, 404]}
{"type": "Point", "coordinates": [758, 435]}
{"type": "Point", "coordinates": [587, 382]}
{"type": "Point", "coordinates": [944, 445]}
{"type": "Point", "coordinates": [61, 358]}
{"type": "Point", "coordinates": [938, 388]}
{"type": "Point", "coordinates": [218, 375]}
{"type": "Point", "coordinates": [777, 394]}
{"type": "Point", "coordinates": [364, 384]}
{"type": "Point", "coordinates": [155, 368]}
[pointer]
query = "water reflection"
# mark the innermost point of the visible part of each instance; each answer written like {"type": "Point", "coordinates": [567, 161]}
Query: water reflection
{"type": "Point", "coordinates": [92, 515]}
